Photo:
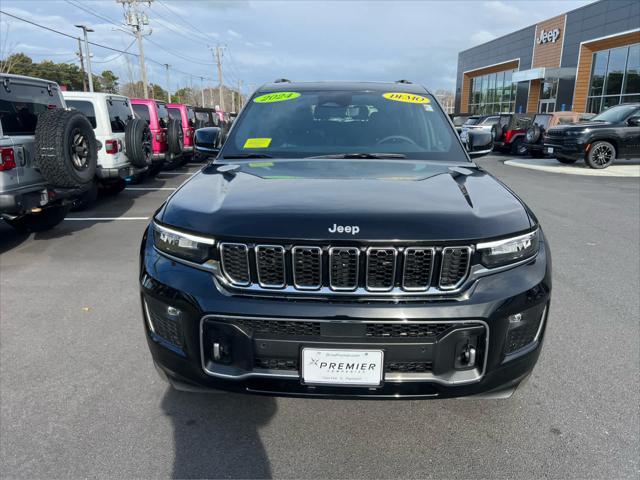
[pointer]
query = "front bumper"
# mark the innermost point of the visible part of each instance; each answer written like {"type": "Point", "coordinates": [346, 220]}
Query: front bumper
{"type": "Point", "coordinates": [571, 150]}
{"type": "Point", "coordinates": [261, 339]}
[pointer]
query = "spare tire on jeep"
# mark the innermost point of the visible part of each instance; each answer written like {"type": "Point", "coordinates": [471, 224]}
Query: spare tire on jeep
{"type": "Point", "coordinates": [138, 143]}
{"type": "Point", "coordinates": [66, 151]}
{"type": "Point", "coordinates": [533, 133]}
{"type": "Point", "coordinates": [175, 136]}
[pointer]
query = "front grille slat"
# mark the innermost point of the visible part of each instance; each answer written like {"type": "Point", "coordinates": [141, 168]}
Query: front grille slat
{"type": "Point", "coordinates": [418, 266]}
{"type": "Point", "coordinates": [455, 266]}
{"type": "Point", "coordinates": [344, 264]}
{"type": "Point", "coordinates": [340, 270]}
{"type": "Point", "coordinates": [307, 267]}
{"type": "Point", "coordinates": [381, 269]}
{"type": "Point", "coordinates": [270, 266]}
{"type": "Point", "coordinates": [235, 263]}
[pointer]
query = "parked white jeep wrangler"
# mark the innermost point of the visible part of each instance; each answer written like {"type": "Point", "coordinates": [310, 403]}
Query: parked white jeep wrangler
{"type": "Point", "coordinates": [123, 150]}
{"type": "Point", "coordinates": [47, 153]}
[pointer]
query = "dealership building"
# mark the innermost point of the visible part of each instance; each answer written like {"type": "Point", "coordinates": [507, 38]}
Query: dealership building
{"type": "Point", "coordinates": [585, 60]}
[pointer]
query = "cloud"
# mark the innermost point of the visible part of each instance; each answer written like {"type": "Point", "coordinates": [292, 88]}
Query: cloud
{"type": "Point", "coordinates": [482, 36]}
{"type": "Point", "coordinates": [234, 34]}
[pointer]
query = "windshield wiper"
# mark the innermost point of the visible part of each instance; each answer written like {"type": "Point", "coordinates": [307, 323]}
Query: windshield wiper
{"type": "Point", "coordinates": [362, 155]}
{"type": "Point", "coordinates": [249, 155]}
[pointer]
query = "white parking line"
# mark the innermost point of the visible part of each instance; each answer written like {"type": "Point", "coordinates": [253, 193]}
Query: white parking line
{"type": "Point", "coordinates": [150, 188]}
{"type": "Point", "coordinates": [103, 219]}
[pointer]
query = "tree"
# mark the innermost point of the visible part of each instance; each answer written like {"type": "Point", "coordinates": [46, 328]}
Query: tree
{"type": "Point", "coordinates": [18, 63]}
{"type": "Point", "coordinates": [184, 95]}
{"type": "Point", "coordinates": [158, 93]}
{"type": "Point", "coordinates": [109, 82]}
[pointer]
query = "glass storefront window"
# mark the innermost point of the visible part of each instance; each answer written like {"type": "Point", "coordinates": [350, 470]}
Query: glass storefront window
{"type": "Point", "coordinates": [615, 71]}
{"type": "Point", "coordinates": [632, 81]}
{"type": "Point", "coordinates": [615, 78]}
{"type": "Point", "coordinates": [492, 93]}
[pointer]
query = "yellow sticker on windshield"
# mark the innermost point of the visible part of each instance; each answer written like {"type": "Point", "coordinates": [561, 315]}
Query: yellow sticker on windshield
{"type": "Point", "coordinates": [257, 143]}
{"type": "Point", "coordinates": [405, 97]}
{"type": "Point", "coordinates": [276, 97]}
{"type": "Point", "coordinates": [260, 164]}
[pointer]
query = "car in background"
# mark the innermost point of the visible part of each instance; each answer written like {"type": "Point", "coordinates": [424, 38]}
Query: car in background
{"type": "Point", "coordinates": [480, 123]}
{"type": "Point", "coordinates": [509, 133]}
{"type": "Point", "coordinates": [612, 134]}
{"type": "Point", "coordinates": [458, 121]}
{"type": "Point", "coordinates": [206, 117]}
{"type": "Point", "coordinates": [187, 117]}
{"type": "Point", "coordinates": [109, 115]}
{"type": "Point", "coordinates": [48, 153]}
{"type": "Point", "coordinates": [533, 140]}
{"type": "Point", "coordinates": [167, 133]}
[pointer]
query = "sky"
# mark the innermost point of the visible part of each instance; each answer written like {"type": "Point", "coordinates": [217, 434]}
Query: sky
{"type": "Point", "coordinates": [265, 40]}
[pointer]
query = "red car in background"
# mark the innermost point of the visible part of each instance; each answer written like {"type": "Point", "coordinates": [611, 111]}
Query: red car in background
{"type": "Point", "coordinates": [157, 116]}
{"type": "Point", "coordinates": [187, 116]}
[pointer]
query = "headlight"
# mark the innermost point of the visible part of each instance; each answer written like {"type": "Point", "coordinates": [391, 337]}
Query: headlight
{"type": "Point", "coordinates": [181, 244]}
{"type": "Point", "coordinates": [510, 250]}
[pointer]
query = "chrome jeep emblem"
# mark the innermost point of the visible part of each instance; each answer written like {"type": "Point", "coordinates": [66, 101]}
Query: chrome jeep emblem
{"type": "Point", "coordinates": [352, 229]}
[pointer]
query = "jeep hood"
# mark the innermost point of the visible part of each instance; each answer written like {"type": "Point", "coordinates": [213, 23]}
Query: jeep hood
{"type": "Point", "coordinates": [386, 199]}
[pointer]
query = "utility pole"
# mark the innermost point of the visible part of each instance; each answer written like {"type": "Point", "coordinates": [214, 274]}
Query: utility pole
{"type": "Point", "coordinates": [218, 59]}
{"type": "Point", "coordinates": [137, 21]}
{"type": "Point", "coordinates": [202, 89]}
{"type": "Point", "coordinates": [166, 65]}
{"type": "Point", "coordinates": [86, 29]}
{"type": "Point", "coordinates": [84, 80]}
{"type": "Point", "coordinates": [239, 96]}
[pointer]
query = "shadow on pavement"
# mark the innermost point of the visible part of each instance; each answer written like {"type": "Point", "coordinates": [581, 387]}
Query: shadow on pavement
{"type": "Point", "coordinates": [217, 435]}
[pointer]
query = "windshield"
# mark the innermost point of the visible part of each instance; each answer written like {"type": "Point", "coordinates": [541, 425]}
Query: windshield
{"type": "Point", "coordinates": [542, 120]}
{"type": "Point", "coordinates": [472, 121]}
{"type": "Point", "coordinates": [317, 123]}
{"type": "Point", "coordinates": [615, 114]}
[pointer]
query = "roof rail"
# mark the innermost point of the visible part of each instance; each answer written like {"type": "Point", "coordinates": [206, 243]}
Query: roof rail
{"type": "Point", "coordinates": [282, 80]}
{"type": "Point", "coordinates": [403, 81]}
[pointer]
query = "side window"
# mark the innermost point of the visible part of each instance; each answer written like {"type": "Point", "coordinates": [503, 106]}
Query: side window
{"type": "Point", "coordinates": [191, 115]}
{"type": "Point", "coordinates": [20, 107]}
{"type": "Point", "coordinates": [119, 114]}
{"type": "Point", "coordinates": [142, 112]}
{"type": "Point", "coordinates": [567, 120]}
{"type": "Point", "coordinates": [86, 108]}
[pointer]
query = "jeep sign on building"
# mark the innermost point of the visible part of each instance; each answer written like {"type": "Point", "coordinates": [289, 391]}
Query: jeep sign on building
{"type": "Point", "coordinates": [585, 60]}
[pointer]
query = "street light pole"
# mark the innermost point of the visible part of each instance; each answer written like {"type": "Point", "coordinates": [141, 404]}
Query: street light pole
{"type": "Point", "coordinates": [166, 65]}
{"type": "Point", "coordinates": [86, 29]}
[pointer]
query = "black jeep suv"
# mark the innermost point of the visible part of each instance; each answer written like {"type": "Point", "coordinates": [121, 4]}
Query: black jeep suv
{"type": "Point", "coordinates": [342, 243]}
{"type": "Point", "coordinates": [614, 133]}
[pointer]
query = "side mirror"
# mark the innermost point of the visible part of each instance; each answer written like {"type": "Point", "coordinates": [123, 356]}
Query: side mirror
{"type": "Point", "coordinates": [634, 121]}
{"type": "Point", "coordinates": [479, 143]}
{"type": "Point", "coordinates": [208, 141]}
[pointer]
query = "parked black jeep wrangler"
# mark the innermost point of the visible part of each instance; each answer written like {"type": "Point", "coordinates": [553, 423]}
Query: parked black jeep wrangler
{"type": "Point", "coordinates": [342, 243]}
{"type": "Point", "coordinates": [614, 133]}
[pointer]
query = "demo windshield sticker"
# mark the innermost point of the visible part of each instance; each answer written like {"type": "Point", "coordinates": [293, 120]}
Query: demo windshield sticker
{"type": "Point", "coordinates": [276, 97]}
{"type": "Point", "coordinates": [405, 97]}
{"type": "Point", "coordinates": [257, 143]}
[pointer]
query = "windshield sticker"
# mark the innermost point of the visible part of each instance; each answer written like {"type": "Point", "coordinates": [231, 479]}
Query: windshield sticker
{"type": "Point", "coordinates": [428, 108]}
{"type": "Point", "coordinates": [276, 97]}
{"type": "Point", "coordinates": [257, 143]}
{"type": "Point", "coordinates": [261, 164]}
{"type": "Point", "coordinates": [405, 97]}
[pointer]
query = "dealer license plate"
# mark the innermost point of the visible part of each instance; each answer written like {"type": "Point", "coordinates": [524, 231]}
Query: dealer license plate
{"type": "Point", "coordinates": [549, 149]}
{"type": "Point", "coordinates": [342, 367]}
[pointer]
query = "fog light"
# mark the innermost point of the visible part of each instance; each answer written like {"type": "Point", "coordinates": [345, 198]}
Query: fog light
{"type": "Point", "coordinates": [515, 318]}
{"type": "Point", "coordinates": [173, 311]}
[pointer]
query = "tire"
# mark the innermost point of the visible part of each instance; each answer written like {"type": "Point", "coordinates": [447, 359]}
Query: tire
{"type": "Point", "coordinates": [601, 155]}
{"type": "Point", "coordinates": [566, 160]}
{"type": "Point", "coordinates": [66, 151]}
{"type": "Point", "coordinates": [175, 136]}
{"type": "Point", "coordinates": [518, 147]}
{"type": "Point", "coordinates": [86, 199]}
{"type": "Point", "coordinates": [39, 222]}
{"type": "Point", "coordinates": [138, 143]}
{"type": "Point", "coordinates": [533, 133]}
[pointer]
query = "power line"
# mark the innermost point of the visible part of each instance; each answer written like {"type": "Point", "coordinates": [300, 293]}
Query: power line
{"type": "Point", "coordinates": [90, 12]}
{"type": "Point", "coordinates": [190, 25]}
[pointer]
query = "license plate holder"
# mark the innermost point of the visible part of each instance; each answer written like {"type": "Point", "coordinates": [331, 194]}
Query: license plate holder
{"type": "Point", "coordinates": [549, 150]}
{"type": "Point", "coordinates": [342, 367]}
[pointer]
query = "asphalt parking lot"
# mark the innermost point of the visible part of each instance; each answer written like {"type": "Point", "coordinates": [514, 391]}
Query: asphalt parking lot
{"type": "Point", "coordinates": [79, 396]}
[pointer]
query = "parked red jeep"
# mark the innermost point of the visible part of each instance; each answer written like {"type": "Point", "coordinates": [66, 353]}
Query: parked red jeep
{"type": "Point", "coordinates": [509, 133]}
{"type": "Point", "coordinates": [157, 116]}
{"type": "Point", "coordinates": [187, 116]}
